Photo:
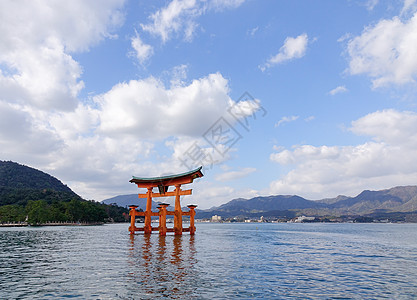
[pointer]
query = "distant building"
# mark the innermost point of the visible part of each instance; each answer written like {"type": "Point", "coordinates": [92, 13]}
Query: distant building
{"type": "Point", "coordinates": [216, 218]}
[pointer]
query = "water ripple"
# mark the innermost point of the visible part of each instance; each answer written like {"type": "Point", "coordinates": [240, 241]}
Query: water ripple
{"type": "Point", "coordinates": [222, 261]}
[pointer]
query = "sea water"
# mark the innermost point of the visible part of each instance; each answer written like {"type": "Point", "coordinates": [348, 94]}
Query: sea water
{"type": "Point", "coordinates": [221, 261]}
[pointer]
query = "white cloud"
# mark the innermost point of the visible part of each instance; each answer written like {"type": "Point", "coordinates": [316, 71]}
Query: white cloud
{"type": "Point", "coordinates": [293, 48]}
{"type": "Point", "coordinates": [388, 126]}
{"type": "Point", "coordinates": [145, 108]}
{"type": "Point", "coordinates": [192, 152]}
{"type": "Point", "coordinates": [386, 52]}
{"type": "Point", "coordinates": [142, 51]}
{"type": "Point", "coordinates": [233, 175]}
{"type": "Point", "coordinates": [36, 67]}
{"type": "Point", "coordinates": [77, 24]}
{"type": "Point", "coordinates": [179, 16]}
{"type": "Point", "coordinates": [43, 76]}
{"type": "Point", "coordinates": [409, 6]}
{"type": "Point", "coordinates": [327, 171]}
{"type": "Point", "coordinates": [100, 143]}
{"type": "Point", "coordinates": [338, 90]}
{"type": "Point", "coordinates": [23, 136]}
{"type": "Point", "coordinates": [286, 120]}
{"type": "Point", "coordinates": [75, 124]}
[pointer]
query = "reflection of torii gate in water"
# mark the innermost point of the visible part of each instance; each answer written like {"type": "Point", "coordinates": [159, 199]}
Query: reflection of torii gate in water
{"type": "Point", "coordinates": [163, 183]}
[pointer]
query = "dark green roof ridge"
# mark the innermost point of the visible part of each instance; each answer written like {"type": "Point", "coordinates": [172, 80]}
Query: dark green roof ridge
{"type": "Point", "coordinates": [168, 176]}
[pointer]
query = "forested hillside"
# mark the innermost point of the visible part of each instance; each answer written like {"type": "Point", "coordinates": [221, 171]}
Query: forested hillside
{"type": "Point", "coordinates": [14, 175]}
{"type": "Point", "coordinates": [32, 195]}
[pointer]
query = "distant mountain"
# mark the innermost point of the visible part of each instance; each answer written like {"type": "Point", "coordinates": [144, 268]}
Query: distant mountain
{"type": "Point", "coordinates": [269, 203]}
{"type": "Point", "coordinates": [333, 200]}
{"type": "Point", "coordinates": [397, 199]}
{"type": "Point", "coordinates": [279, 206]}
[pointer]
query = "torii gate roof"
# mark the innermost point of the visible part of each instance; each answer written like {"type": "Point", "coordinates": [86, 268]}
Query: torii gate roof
{"type": "Point", "coordinates": [182, 178]}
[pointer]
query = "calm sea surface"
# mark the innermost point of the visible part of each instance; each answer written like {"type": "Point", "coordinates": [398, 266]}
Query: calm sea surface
{"type": "Point", "coordinates": [222, 261]}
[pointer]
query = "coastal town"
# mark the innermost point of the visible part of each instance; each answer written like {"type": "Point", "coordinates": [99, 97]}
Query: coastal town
{"type": "Point", "coordinates": [397, 218]}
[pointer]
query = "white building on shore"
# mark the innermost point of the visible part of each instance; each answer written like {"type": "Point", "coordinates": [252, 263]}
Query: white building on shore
{"type": "Point", "coordinates": [216, 218]}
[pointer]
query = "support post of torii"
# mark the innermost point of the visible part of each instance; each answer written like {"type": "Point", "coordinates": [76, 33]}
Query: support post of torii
{"type": "Point", "coordinates": [163, 184]}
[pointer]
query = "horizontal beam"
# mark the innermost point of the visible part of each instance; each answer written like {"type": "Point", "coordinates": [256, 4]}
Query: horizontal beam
{"type": "Point", "coordinates": [137, 213]}
{"type": "Point", "coordinates": [167, 194]}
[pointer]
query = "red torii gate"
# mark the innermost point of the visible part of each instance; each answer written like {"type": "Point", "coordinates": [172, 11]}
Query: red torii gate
{"type": "Point", "coordinates": [163, 183]}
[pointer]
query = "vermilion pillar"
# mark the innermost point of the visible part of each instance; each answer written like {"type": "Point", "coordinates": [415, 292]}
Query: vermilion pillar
{"type": "Point", "coordinates": [178, 211]}
{"type": "Point", "coordinates": [148, 226]}
{"type": "Point", "coordinates": [192, 214]}
{"type": "Point", "coordinates": [132, 213]}
{"type": "Point", "coordinates": [163, 219]}
{"type": "Point", "coordinates": [159, 207]}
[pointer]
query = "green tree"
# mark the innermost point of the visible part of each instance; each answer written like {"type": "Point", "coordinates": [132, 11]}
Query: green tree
{"type": "Point", "coordinates": [74, 210]}
{"type": "Point", "coordinates": [12, 213]}
{"type": "Point", "coordinates": [37, 212]}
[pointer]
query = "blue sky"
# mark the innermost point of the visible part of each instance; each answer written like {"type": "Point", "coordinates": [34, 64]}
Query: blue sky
{"type": "Point", "coordinates": [314, 98]}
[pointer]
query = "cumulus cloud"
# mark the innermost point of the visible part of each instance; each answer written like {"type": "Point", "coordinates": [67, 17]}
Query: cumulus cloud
{"type": "Point", "coordinates": [23, 136]}
{"type": "Point", "coordinates": [338, 90]}
{"type": "Point", "coordinates": [145, 108]}
{"type": "Point", "coordinates": [388, 126]}
{"type": "Point", "coordinates": [293, 48]}
{"type": "Point", "coordinates": [179, 17]}
{"type": "Point", "coordinates": [37, 39]}
{"type": "Point", "coordinates": [326, 171]}
{"type": "Point", "coordinates": [43, 76]}
{"type": "Point", "coordinates": [386, 52]}
{"type": "Point", "coordinates": [286, 120]}
{"type": "Point", "coordinates": [192, 152]}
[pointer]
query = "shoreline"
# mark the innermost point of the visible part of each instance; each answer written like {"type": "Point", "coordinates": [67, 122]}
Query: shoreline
{"type": "Point", "coordinates": [25, 224]}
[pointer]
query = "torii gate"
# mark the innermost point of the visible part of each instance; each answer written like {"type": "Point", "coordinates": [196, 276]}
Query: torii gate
{"type": "Point", "coordinates": [163, 183]}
